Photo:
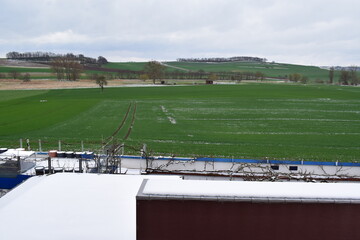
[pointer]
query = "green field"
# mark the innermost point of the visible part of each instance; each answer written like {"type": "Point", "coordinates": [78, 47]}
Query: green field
{"type": "Point", "coordinates": [24, 70]}
{"type": "Point", "coordinates": [271, 70]}
{"type": "Point", "coordinates": [131, 66]}
{"type": "Point", "coordinates": [258, 121]}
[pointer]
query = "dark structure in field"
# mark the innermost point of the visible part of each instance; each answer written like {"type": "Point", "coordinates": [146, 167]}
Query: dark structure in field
{"type": "Point", "coordinates": [297, 211]}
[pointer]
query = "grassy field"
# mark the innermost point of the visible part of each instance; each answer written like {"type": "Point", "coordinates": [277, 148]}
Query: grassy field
{"type": "Point", "coordinates": [41, 73]}
{"type": "Point", "coordinates": [24, 70]}
{"type": "Point", "coordinates": [276, 121]}
{"type": "Point", "coordinates": [272, 70]}
{"type": "Point", "coordinates": [132, 66]}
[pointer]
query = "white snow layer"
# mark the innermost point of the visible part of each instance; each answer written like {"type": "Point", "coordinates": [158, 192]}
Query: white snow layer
{"type": "Point", "coordinates": [253, 189]}
{"type": "Point", "coordinates": [72, 206]}
{"type": "Point", "coordinates": [17, 152]}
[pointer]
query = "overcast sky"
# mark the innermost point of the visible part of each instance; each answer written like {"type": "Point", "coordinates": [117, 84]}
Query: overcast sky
{"type": "Point", "coordinates": [311, 32]}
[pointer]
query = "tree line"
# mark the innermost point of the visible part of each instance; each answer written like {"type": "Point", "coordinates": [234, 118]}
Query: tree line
{"type": "Point", "coordinates": [26, 77]}
{"type": "Point", "coordinates": [47, 57]}
{"type": "Point", "coordinates": [297, 77]}
{"type": "Point", "coordinates": [66, 68]}
{"type": "Point", "coordinates": [231, 59]}
{"type": "Point", "coordinates": [69, 67]}
{"type": "Point", "coordinates": [239, 76]}
{"type": "Point", "coordinates": [156, 71]}
{"type": "Point", "coordinates": [348, 76]}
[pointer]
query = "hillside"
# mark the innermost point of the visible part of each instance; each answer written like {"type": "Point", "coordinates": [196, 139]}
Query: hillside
{"type": "Point", "coordinates": [271, 70]}
{"type": "Point", "coordinates": [116, 69]}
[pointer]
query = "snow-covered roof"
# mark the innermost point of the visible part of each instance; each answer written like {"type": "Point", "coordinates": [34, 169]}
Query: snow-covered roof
{"type": "Point", "coordinates": [72, 206]}
{"type": "Point", "coordinates": [19, 152]}
{"type": "Point", "coordinates": [251, 191]}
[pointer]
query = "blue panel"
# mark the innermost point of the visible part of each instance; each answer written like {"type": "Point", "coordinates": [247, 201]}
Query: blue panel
{"type": "Point", "coordinates": [320, 163]}
{"type": "Point", "coordinates": [41, 153]}
{"type": "Point", "coordinates": [9, 183]}
{"type": "Point", "coordinates": [132, 157]}
{"type": "Point", "coordinates": [175, 158]}
{"type": "Point", "coordinates": [347, 164]}
{"type": "Point", "coordinates": [87, 156]}
{"type": "Point", "coordinates": [249, 161]}
{"type": "Point", "coordinates": [214, 159]}
{"type": "Point", "coordinates": [220, 160]}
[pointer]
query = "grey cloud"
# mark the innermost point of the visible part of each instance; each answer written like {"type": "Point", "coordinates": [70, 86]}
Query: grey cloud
{"type": "Point", "coordinates": [308, 32]}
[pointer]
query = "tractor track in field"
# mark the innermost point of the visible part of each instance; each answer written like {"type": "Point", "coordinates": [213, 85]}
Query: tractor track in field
{"type": "Point", "coordinates": [121, 124]}
{"type": "Point", "coordinates": [132, 123]}
{"type": "Point", "coordinates": [133, 106]}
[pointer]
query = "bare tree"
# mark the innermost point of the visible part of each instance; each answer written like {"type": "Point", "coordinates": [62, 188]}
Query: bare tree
{"type": "Point", "coordinates": [66, 68]}
{"type": "Point", "coordinates": [101, 60]}
{"type": "Point", "coordinates": [75, 70]}
{"type": "Point", "coordinates": [58, 68]}
{"type": "Point", "coordinates": [144, 77]}
{"type": "Point", "coordinates": [26, 77]}
{"type": "Point", "coordinates": [331, 75]}
{"type": "Point", "coordinates": [344, 77]}
{"type": "Point", "coordinates": [295, 77]}
{"type": "Point", "coordinates": [14, 74]}
{"type": "Point", "coordinates": [213, 77]}
{"type": "Point", "coordinates": [353, 75]}
{"type": "Point", "coordinates": [259, 75]}
{"type": "Point", "coordinates": [155, 70]}
{"type": "Point", "coordinates": [101, 81]}
{"type": "Point", "coordinates": [48, 56]}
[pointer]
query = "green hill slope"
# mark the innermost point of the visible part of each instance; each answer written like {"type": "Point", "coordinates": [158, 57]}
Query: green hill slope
{"type": "Point", "coordinates": [271, 70]}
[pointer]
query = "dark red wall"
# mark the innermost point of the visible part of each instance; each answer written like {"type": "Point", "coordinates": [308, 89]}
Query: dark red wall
{"type": "Point", "coordinates": [172, 219]}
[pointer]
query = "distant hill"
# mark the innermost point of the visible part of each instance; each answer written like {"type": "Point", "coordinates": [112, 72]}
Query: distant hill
{"type": "Point", "coordinates": [231, 59]}
{"type": "Point", "coordinates": [270, 69]}
{"type": "Point", "coordinates": [339, 68]}
{"type": "Point", "coordinates": [131, 70]}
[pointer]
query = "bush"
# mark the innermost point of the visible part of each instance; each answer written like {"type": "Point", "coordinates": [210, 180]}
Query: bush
{"type": "Point", "coordinates": [26, 77]}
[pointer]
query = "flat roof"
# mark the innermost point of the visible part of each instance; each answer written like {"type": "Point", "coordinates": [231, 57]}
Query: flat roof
{"type": "Point", "coordinates": [16, 152]}
{"type": "Point", "coordinates": [73, 206]}
{"type": "Point", "coordinates": [251, 191]}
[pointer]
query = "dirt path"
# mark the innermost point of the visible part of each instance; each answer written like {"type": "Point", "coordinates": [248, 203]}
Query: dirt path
{"type": "Point", "coordinates": [179, 68]}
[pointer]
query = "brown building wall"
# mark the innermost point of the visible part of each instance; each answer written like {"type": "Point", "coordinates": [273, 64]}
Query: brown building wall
{"type": "Point", "coordinates": [191, 219]}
